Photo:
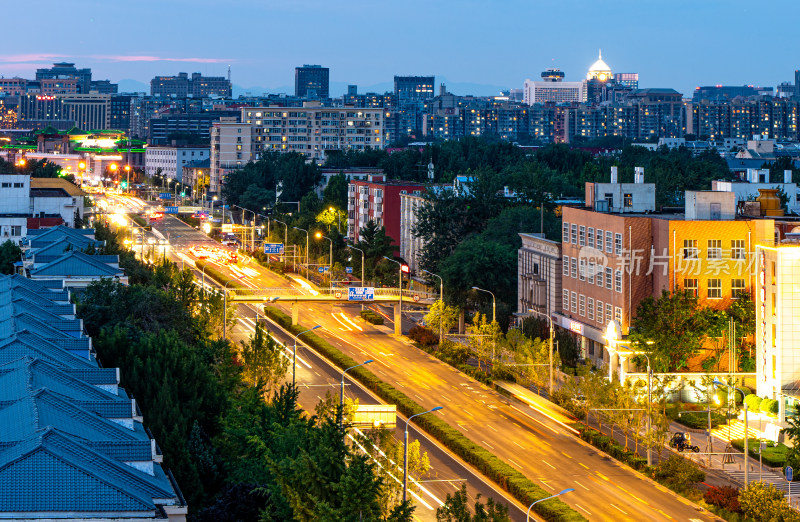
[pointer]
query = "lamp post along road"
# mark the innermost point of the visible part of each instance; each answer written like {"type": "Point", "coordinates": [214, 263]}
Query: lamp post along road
{"type": "Point", "coordinates": [225, 308]}
{"type": "Point", "coordinates": [494, 302]}
{"type": "Point", "coordinates": [306, 231]}
{"type": "Point", "coordinates": [398, 326]}
{"type": "Point", "coordinates": [746, 442]}
{"type": "Point", "coordinates": [294, 353]}
{"type": "Point", "coordinates": [405, 450]}
{"type": "Point", "coordinates": [550, 350]}
{"type": "Point", "coordinates": [528, 515]}
{"type": "Point", "coordinates": [441, 298]}
{"type": "Point", "coordinates": [341, 391]}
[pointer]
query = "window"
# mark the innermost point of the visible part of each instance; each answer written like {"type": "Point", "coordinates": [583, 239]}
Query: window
{"type": "Point", "coordinates": [590, 308]}
{"type": "Point", "coordinates": [690, 249]}
{"type": "Point", "coordinates": [618, 314]}
{"type": "Point", "coordinates": [16, 230]}
{"type": "Point", "coordinates": [600, 240]}
{"type": "Point", "coordinates": [565, 300]}
{"type": "Point", "coordinates": [574, 302]}
{"type": "Point", "coordinates": [690, 285]}
{"type": "Point", "coordinates": [574, 265]}
{"type": "Point", "coordinates": [590, 274]}
{"type": "Point", "coordinates": [565, 233]}
{"type": "Point", "coordinates": [5, 185]}
{"type": "Point", "coordinates": [582, 269]}
{"type": "Point", "coordinates": [600, 311]}
{"type": "Point", "coordinates": [714, 249]}
{"type": "Point", "coordinates": [737, 288]}
{"type": "Point", "coordinates": [18, 185]}
{"type": "Point", "coordinates": [618, 280]}
{"type": "Point", "coordinates": [582, 306]}
{"type": "Point", "coordinates": [582, 236]}
{"type": "Point", "coordinates": [590, 237]}
{"type": "Point", "coordinates": [565, 262]}
{"type": "Point", "coordinates": [609, 238]}
{"type": "Point", "coordinates": [737, 249]}
{"type": "Point", "coordinates": [574, 234]}
{"type": "Point", "coordinates": [715, 288]}
{"type": "Point", "coordinates": [608, 278]}
{"type": "Point", "coordinates": [618, 244]}
{"type": "Point", "coordinates": [609, 312]}
{"type": "Point", "coordinates": [627, 200]}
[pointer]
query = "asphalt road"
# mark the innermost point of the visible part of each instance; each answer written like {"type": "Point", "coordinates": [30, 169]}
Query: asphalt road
{"type": "Point", "coordinates": [529, 439]}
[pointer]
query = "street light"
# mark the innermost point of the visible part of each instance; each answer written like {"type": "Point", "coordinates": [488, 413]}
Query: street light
{"type": "Point", "coordinates": [319, 235]}
{"type": "Point", "coordinates": [568, 490]}
{"type": "Point", "coordinates": [552, 333]}
{"type": "Point", "coordinates": [746, 446]}
{"type": "Point", "coordinates": [494, 302]}
{"type": "Point", "coordinates": [225, 308]}
{"type": "Point", "coordinates": [405, 450]}
{"type": "Point", "coordinates": [306, 231]}
{"type": "Point", "coordinates": [294, 354]}
{"type": "Point", "coordinates": [341, 391]}
{"type": "Point", "coordinates": [649, 404]}
{"type": "Point", "coordinates": [362, 261]}
{"type": "Point", "coordinates": [338, 217]}
{"type": "Point", "coordinates": [400, 293]}
{"type": "Point", "coordinates": [128, 182]}
{"type": "Point", "coordinates": [285, 238]}
{"type": "Point", "coordinates": [441, 298]}
{"type": "Point", "coordinates": [253, 230]}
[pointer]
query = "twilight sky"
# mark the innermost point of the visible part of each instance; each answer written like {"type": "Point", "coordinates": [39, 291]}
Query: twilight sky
{"type": "Point", "coordinates": [679, 44]}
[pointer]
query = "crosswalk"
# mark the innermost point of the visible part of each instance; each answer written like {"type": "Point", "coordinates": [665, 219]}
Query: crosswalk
{"type": "Point", "coordinates": [769, 477]}
{"type": "Point", "coordinates": [735, 431]}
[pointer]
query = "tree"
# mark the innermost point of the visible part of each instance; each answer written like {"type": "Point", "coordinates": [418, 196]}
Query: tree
{"type": "Point", "coordinates": [441, 316]}
{"type": "Point", "coordinates": [10, 253]}
{"type": "Point", "coordinates": [763, 501]}
{"type": "Point", "coordinates": [671, 328]}
{"type": "Point", "coordinates": [792, 432]}
{"type": "Point", "coordinates": [335, 192]}
{"type": "Point", "coordinates": [456, 509]}
{"type": "Point", "coordinates": [481, 263]}
{"type": "Point", "coordinates": [678, 472]}
{"type": "Point", "coordinates": [263, 363]}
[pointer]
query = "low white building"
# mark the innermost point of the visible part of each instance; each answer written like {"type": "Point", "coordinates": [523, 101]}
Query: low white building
{"type": "Point", "coordinates": [32, 203]}
{"type": "Point", "coordinates": [759, 179]}
{"type": "Point", "coordinates": [169, 161]}
{"type": "Point", "coordinates": [410, 244]}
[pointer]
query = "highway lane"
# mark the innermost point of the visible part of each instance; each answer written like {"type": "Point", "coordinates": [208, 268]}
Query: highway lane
{"type": "Point", "coordinates": [543, 450]}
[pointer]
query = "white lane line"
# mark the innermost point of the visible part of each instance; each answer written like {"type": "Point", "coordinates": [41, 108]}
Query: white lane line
{"type": "Point", "coordinates": [448, 400]}
{"type": "Point", "coordinates": [520, 445]}
{"type": "Point", "coordinates": [351, 322]}
{"type": "Point", "coordinates": [618, 509]}
{"type": "Point", "coordinates": [490, 427]}
{"type": "Point", "coordinates": [516, 464]}
{"type": "Point", "coordinates": [546, 484]}
{"type": "Point", "coordinates": [581, 485]}
{"type": "Point", "coordinates": [488, 445]}
{"type": "Point", "coordinates": [548, 464]}
{"type": "Point", "coordinates": [462, 427]}
{"type": "Point", "coordinates": [584, 510]}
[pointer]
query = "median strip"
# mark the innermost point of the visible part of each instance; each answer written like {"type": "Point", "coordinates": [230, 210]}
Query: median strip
{"type": "Point", "coordinates": [507, 477]}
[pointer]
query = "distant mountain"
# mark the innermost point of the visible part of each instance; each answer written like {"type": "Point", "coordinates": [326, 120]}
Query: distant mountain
{"type": "Point", "coordinates": [128, 85]}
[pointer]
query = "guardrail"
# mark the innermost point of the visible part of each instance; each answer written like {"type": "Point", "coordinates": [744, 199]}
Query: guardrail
{"type": "Point", "coordinates": [241, 294]}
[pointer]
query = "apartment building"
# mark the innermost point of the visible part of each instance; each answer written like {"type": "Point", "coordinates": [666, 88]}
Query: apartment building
{"type": "Point", "coordinates": [410, 244]}
{"type": "Point", "coordinates": [169, 161]}
{"type": "Point", "coordinates": [377, 199]}
{"type": "Point", "coordinates": [231, 148]}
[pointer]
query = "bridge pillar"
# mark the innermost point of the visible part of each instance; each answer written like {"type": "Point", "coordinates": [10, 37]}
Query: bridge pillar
{"type": "Point", "coordinates": [398, 320]}
{"type": "Point", "coordinates": [295, 313]}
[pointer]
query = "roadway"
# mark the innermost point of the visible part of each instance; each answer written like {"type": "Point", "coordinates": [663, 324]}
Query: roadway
{"type": "Point", "coordinates": [527, 438]}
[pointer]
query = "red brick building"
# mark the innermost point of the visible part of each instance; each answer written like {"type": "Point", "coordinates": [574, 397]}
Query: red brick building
{"type": "Point", "coordinates": [378, 199]}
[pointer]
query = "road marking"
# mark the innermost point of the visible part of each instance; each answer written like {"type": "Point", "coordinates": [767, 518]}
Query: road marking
{"type": "Point", "coordinates": [603, 476]}
{"type": "Point", "coordinates": [514, 463]}
{"type": "Point", "coordinates": [462, 427]}
{"type": "Point", "coordinates": [581, 485]}
{"type": "Point", "coordinates": [518, 426]}
{"type": "Point", "coordinates": [448, 400]}
{"type": "Point", "coordinates": [570, 456]}
{"type": "Point", "coordinates": [318, 375]}
{"type": "Point", "coordinates": [523, 447]}
{"type": "Point", "coordinates": [548, 464]}
{"type": "Point", "coordinates": [582, 509]}
{"type": "Point", "coordinates": [618, 509]}
{"type": "Point", "coordinates": [546, 484]}
{"type": "Point", "coordinates": [494, 430]}
{"type": "Point", "coordinates": [490, 446]}
{"type": "Point", "coordinates": [587, 467]}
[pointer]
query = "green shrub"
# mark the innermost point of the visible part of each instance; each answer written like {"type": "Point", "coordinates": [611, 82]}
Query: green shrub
{"type": "Point", "coordinates": [423, 336]}
{"type": "Point", "coordinates": [699, 419]}
{"type": "Point", "coordinates": [753, 402]}
{"type": "Point", "coordinates": [215, 274]}
{"type": "Point", "coordinates": [517, 484]}
{"type": "Point", "coordinates": [769, 406]}
{"type": "Point", "coordinates": [371, 317]}
{"type": "Point", "coordinates": [725, 497]}
{"type": "Point", "coordinates": [678, 473]}
{"type": "Point", "coordinates": [452, 353]}
{"type": "Point", "coordinates": [773, 456]}
{"type": "Point", "coordinates": [616, 450]}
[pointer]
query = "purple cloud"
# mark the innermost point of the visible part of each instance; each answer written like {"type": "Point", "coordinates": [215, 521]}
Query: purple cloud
{"type": "Point", "coordinates": [147, 58]}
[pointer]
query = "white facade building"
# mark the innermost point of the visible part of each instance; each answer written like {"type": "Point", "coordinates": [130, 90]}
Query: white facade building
{"type": "Point", "coordinates": [556, 92]}
{"type": "Point", "coordinates": [410, 244]}
{"type": "Point", "coordinates": [27, 202]}
{"type": "Point", "coordinates": [171, 160]}
{"type": "Point", "coordinates": [231, 148]}
{"type": "Point", "coordinates": [759, 179]}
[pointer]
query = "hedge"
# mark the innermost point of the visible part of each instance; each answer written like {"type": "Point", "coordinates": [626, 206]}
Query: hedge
{"type": "Point", "coordinates": [511, 480]}
{"type": "Point", "coordinates": [753, 402]}
{"type": "Point", "coordinates": [699, 419]}
{"type": "Point", "coordinates": [612, 447]}
{"type": "Point", "coordinates": [770, 406]}
{"type": "Point", "coordinates": [774, 456]}
{"type": "Point", "coordinates": [217, 275]}
{"type": "Point", "coordinates": [371, 317]}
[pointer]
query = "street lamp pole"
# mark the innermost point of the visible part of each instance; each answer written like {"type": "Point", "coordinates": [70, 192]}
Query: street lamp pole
{"type": "Point", "coordinates": [362, 261]}
{"type": "Point", "coordinates": [285, 237]}
{"type": "Point", "coordinates": [441, 298]}
{"type": "Point", "coordinates": [494, 302]}
{"type": "Point", "coordinates": [528, 515]}
{"type": "Point", "coordinates": [225, 309]}
{"type": "Point", "coordinates": [341, 391]}
{"type": "Point", "coordinates": [550, 355]}
{"type": "Point", "coordinates": [320, 235]}
{"type": "Point", "coordinates": [399, 291]}
{"type": "Point", "coordinates": [294, 353]}
{"type": "Point", "coordinates": [306, 231]}
{"type": "Point", "coordinates": [746, 443]}
{"type": "Point", "coordinates": [405, 450]}
{"type": "Point", "coordinates": [649, 405]}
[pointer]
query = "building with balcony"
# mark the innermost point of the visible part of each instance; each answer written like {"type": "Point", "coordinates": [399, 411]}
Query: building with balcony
{"type": "Point", "coordinates": [377, 199]}
{"type": "Point", "coordinates": [231, 148]}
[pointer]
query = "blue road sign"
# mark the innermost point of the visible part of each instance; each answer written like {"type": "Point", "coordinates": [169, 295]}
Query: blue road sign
{"type": "Point", "coordinates": [348, 269]}
{"type": "Point", "coordinates": [170, 210]}
{"type": "Point", "coordinates": [273, 248]}
{"type": "Point", "coordinates": [320, 269]}
{"type": "Point", "coordinates": [165, 195]}
{"type": "Point", "coordinates": [361, 293]}
{"type": "Point", "coordinates": [789, 473]}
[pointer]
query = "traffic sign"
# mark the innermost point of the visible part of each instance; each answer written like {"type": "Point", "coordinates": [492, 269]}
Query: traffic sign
{"type": "Point", "coordinates": [348, 269]}
{"type": "Point", "coordinates": [416, 298]}
{"type": "Point", "coordinates": [273, 248]}
{"type": "Point", "coordinates": [337, 295]}
{"type": "Point", "coordinates": [361, 293]}
{"type": "Point", "coordinates": [789, 473]}
{"type": "Point", "coordinates": [165, 195]}
{"type": "Point", "coordinates": [170, 210]}
{"type": "Point", "coordinates": [323, 269]}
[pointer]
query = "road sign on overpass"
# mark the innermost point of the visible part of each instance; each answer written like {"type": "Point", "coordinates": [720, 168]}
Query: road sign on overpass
{"type": "Point", "coordinates": [361, 293]}
{"type": "Point", "coordinates": [273, 248]}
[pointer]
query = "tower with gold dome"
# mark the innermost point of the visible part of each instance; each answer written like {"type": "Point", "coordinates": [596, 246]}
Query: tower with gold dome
{"type": "Point", "coordinates": [600, 70]}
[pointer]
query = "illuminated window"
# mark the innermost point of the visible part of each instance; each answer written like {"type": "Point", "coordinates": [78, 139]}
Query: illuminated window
{"type": "Point", "coordinates": [582, 309]}
{"type": "Point", "coordinates": [690, 249]}
{"type": "Point", "coordinates": [690, 285]}
{"type": "Point", "coordinates": [600, 311]}
{"type": "Point", "coordinates": [627, 200]}
{"type": "Point", "coordinates": [609, 312]}
{"type": "Point", "coordinates": [715, 288]}
{"type": "Point", "coordinates": [737, 249]}
{"type": "Point", "coordinates": [565, 262]}
{"type": "Point", "coordinates": [618, 314]}
{"type": "Point", "coordinates": [565, 300]}
{"type": "Point", "coordinates": [574, 302]}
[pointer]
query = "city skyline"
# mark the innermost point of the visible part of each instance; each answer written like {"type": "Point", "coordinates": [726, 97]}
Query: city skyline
{"type": "Point", "coordinates": [678, 49]}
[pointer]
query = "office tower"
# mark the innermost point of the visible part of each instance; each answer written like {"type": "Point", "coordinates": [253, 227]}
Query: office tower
{"type": "Point", "coordinates": [408, 88]}
{"type": "Point", "coordinates": [311, 81]}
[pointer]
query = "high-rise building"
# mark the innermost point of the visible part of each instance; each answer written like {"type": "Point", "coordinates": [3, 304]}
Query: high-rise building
{"type": "Point", "coordinates": [550, 91]}
{"type": "Point", "coordinates": [797, 84]}
{"type": "Point", "coordinates": [66, 70]}
{"type": "Point", "coordinates": [628, 80]}
{"type": "Point", "coordinates": [408, 88]}
{"type": "Point", "coordinates": [86, 111]}
{"type": "Point", "coordinates": [311, 81]}
{"type": "Point", "coordinates": [103, 87]}
{"type": "Point", "coordinates": [197, 86]}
